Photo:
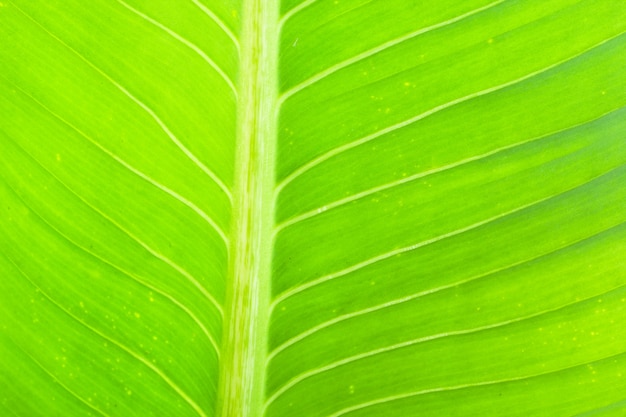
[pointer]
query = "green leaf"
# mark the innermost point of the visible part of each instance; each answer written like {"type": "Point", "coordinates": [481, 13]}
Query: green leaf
{"type": "Point", "coordinates": [319, 208]}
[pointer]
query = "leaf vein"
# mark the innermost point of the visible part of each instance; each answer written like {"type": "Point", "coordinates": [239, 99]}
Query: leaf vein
{"type": "Point", "coordinates": [130, 275]}
{"type": "Point", "coordinates": [135, 171]}
{"type": "Point", "coordinates": [459, 387]}
{"type": "Point", "coordinates": [309, 332]}
{"type": "Point", "coordinates": [129, 351]}
{"type": "Point", "coordinates": [54, 378]}
{"type": "Point", "coordinates": [390, 254]}
{"type": "Point", "coordinates": [185, 42]}
{"type": "Point", "coordinates": [317, 371]}
{"type": "Point", "coordinates": [392, 184]}
{"type": "Point", "coordinates": [218, 21]}
{"type": "Point", "coordinates": [368, 138]}
{"type": "Point", "coordinates": [373, 51]}
{"type": "Point", "coordinates": [295, 10]}
{"type": "Point", "coordinates": [153, 252]}
{"type": "Point", "coordinates": [143, 106]}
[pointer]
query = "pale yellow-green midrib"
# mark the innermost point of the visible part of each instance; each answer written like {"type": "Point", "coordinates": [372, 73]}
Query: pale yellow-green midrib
{"type": "Point", "coordinates": [242, 363]}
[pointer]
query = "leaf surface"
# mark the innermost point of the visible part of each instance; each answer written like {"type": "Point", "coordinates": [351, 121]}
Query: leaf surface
{"type": "Point", "coordinates": [319, 208]}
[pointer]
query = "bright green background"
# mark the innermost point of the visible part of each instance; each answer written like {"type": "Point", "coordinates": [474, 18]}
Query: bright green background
{"type": "Point", "coordinates": [450, 207]}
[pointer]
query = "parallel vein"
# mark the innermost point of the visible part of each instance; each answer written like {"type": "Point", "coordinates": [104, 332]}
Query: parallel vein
{"type": "Point", "coordinates": [310, 373]}
{"type": "Point", "coordinates": [464, 386]}
{"type": "Point", "coordinates": [129, 351]}
{"type": "Point", "coordinates": [328, 323]}
{"type": "Point", "coordinates": [58, 381]}
{"type": "Point", "coordinates": [358, 142]}
{"type": "Point", "coordinates": [202, 214]}
{"type": "Point", "coordinates": [185, 42]}
{"type": "Point", "coordinates": [396, 183]}
{"type": "Point", "coordinates": [296, 10]}
{"type": "Point", "coordinates": [143, 106]}
{"type": "Point", "coordinates": [390, 254]}
{"type": "Point", "coordinates": [131, 276]}
{"type": "Point", "coordinates": [218, 21]}
{"type": "Point", "coordinates": [373, 51]}
{"type": "Point", "coordinates": [144, 245]}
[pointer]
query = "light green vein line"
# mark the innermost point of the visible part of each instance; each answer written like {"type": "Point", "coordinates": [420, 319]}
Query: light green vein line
{"type": "Point", "coordinates": [396, 183]}
{"type": "Point", "coordinates": [458, 387]}
{"type": "Point", "coordinates": [143, 106]}
{"type": "Point", "coordinates": [185, 42]}
{"type": "Point", "coordinates": [343, 148]}
{"type": "Point", "coordinates": [153, 252]}
{"type": "Point", "coordinates": [54, 378]}
{"type": "Point", "coordinates": [317, 371]}
{"type": "Point", "coordinates": [138, 357]}
{"type": "Point", "coordinates": [218, 21]}
{"type": "Point", "coordinates": [373, 51]}
{"type": "Point", "coordinates": [135, 171]}
{"type": "Point", "coordinates": [296, 339]}
{"type": "Point", "coordinates": [130, 275]}
{"type": "Point", "coordinates": [334, 275]}
{"type": "Point", "coordinates": [295, 10]}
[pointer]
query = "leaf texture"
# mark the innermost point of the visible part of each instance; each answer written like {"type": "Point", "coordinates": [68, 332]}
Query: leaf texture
{"type": "Point", "coordinates": [319, 208]}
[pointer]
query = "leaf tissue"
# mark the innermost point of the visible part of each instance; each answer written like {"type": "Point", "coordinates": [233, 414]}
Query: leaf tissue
{"type": "Point", "coordinates": [312, 208]}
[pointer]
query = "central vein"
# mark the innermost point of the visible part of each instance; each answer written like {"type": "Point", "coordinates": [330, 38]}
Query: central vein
{"type": "Point", "coordinates": [242, 372]}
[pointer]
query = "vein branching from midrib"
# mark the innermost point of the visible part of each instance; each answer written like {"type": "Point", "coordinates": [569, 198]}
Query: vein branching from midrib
{"type": "Point", "coordinates": [244, 347]}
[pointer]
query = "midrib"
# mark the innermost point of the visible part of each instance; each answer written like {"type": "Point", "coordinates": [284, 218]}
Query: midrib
{"type": "Point", "coordinates": [242, 362]}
